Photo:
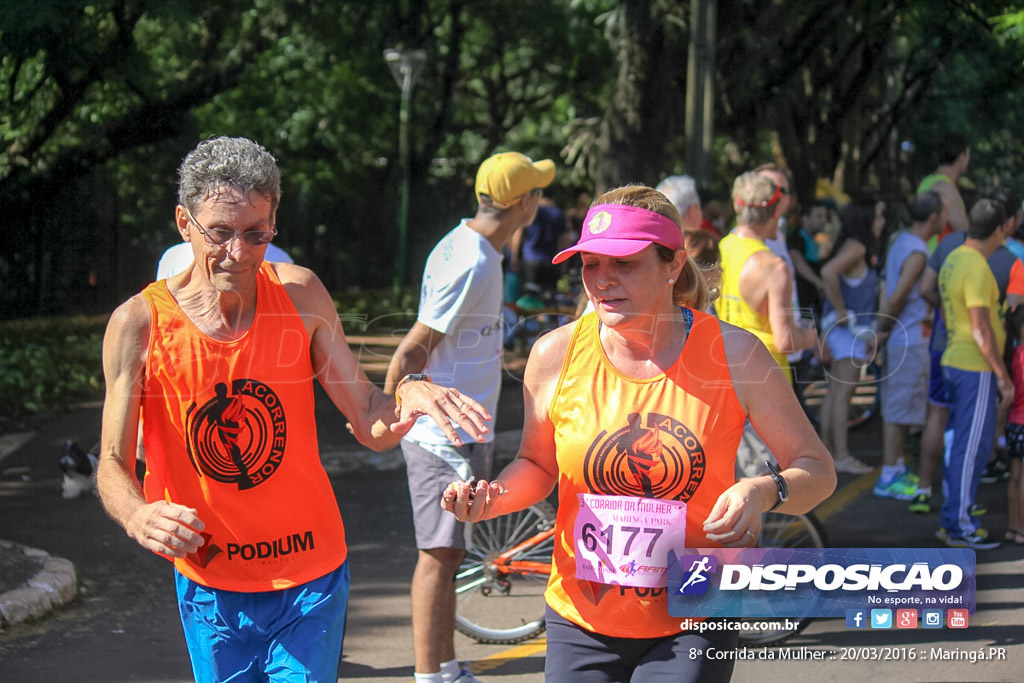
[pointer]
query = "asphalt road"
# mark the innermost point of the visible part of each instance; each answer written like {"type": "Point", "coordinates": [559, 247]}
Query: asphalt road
{"type": "Point", "coordinates": [124, 624]}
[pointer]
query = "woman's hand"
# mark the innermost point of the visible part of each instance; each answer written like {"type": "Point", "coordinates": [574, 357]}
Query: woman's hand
{"type": "Point", "coordinates": [472, 501]}
{"type": "Point", "coordinates": [735, 521]}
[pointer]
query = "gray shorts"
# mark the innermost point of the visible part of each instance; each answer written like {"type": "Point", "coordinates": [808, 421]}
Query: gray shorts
{"type": "Point", "coordinates": [430, 468]}
{"type": "Point", "coordinates": [904, 384]}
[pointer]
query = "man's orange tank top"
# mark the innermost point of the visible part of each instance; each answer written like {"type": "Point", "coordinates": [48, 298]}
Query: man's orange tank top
{"type": "Point", "coordinates": [230, 431]}
{"type": "Point", "coordinates": [694, 420]}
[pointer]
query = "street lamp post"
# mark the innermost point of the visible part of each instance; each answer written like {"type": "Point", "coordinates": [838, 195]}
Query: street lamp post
{"type": "Point", "coordinates": [405, 66]}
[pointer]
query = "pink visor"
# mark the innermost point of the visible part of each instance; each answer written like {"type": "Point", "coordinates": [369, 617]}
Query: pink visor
{"type": "Point", "coordinates": [617, 230]}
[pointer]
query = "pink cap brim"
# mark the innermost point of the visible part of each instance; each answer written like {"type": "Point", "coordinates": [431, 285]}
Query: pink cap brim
{"type": "Point", "coordinates": [604, 247]}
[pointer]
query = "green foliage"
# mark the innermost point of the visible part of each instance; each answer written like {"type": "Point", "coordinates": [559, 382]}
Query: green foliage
{"type": "Point", "coordinates": [48, 364]}
{"type": "Point", "coordinates": [366, 311]}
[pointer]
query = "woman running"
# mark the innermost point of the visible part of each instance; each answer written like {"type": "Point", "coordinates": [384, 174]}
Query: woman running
{"type": "Point", "coordinates": [643, 400]}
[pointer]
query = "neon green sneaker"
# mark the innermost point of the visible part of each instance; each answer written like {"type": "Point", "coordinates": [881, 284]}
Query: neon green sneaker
{"type": "Point", "coordinates": [903, 487]}
{"type": "Point", "coordinates": [922, 504]}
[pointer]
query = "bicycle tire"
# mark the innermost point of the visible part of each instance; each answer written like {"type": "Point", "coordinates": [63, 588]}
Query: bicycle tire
{"type": "Point", "coordinates": [864, 404]}
{"type": "Point", "coordinates": [499, 608]}
{"type": "Point", "coordinates": [779, 530]}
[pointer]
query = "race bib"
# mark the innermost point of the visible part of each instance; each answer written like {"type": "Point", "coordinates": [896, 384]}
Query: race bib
{"type": "Point", "coordinates": [625, 540]}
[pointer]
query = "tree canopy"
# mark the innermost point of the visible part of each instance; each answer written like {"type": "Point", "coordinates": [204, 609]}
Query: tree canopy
{"type": "Point", "coordinates": [100, 100]}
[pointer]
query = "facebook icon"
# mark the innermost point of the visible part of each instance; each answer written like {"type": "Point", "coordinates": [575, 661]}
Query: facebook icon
{"type": "Point", "coordinates": [856, 618]}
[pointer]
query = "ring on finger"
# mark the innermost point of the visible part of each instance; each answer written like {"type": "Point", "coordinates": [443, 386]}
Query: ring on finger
{"type": "Point", "coordinates": [751, 534]}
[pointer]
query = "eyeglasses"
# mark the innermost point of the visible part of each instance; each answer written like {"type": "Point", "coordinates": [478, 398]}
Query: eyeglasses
{"type": "Point", "coordinates": [537, 192]}
{"type": "Point", "coordinates": [222, 237]}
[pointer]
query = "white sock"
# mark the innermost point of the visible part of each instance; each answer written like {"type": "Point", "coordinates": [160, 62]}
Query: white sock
{"type": "Point", "coordinates": [924, 491]}
{"type": "Point", "coordinates": [1001, 442]}
{"type": "Point", "coordinates": [891, 472]}
{"type": "Point", "coordinates": [428, 678]}
{"type": "Point", "coordinates": [901, 465]}
{"type": "Point", "coordinates": [450, 670]}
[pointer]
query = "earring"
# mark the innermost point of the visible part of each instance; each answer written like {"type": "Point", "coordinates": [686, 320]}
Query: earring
{"type": "Point", "coordinates": [671, 280]}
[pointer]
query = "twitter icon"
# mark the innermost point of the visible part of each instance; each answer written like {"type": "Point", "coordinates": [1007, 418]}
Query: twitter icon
{"type": "Point", "coordinates": [881, 618]}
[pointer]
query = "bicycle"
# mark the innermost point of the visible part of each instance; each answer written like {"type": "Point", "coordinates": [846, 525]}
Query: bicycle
{"type": "Point", "coordinates": [500, 584]}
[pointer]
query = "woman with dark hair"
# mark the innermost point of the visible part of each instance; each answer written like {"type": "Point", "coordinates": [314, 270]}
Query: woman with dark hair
{"type": "Point", "coordinates": [636, 406]}
{"type": "Point", "coordinates": [851, 291]}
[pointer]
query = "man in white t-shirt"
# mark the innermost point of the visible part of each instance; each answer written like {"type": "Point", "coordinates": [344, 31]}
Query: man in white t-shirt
{"type": "Point", "coordinates": [179, 257]}
{"type": "Point", "coordinates": [457, 340]}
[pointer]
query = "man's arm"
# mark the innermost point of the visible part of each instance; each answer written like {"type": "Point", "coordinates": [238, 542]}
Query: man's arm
{"type": "Point", "coordinates": [162, 527]}
{"type": "Point", "coordinates": [909, 272]}
{"type": "Point", "coordinates": [371, 412]}
{"type": "Point", "coordinates": [985, 338]}
{"type": "Point", "coordinates": [412, 354]}
{"type": "Point", "coordinates": [957, 217]}
{"type": "Point", "coordinates": [788, 336]}
{"type": "Point", "coordinates": [803, 268]}
{"type": "Point", "coordinates": [929, 288]}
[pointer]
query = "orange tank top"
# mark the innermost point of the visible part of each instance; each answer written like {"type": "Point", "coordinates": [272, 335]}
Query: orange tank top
{"type": "Point", "coordinates": [230, 431]}
{"type": "Point", "coordinates": [672, 437]}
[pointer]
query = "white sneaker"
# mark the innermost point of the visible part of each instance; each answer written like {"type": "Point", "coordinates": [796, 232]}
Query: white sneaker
{"type": "Point", "coordinates": [465, 676]}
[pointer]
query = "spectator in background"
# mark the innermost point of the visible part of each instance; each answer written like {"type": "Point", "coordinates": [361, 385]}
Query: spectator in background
{"type": "Point", "coordinates": [715, 215]}
{"type": "Point", "coordinates": [851, 291]}
{"type": "Point", "coordinates": [904, 382]}
{"type": "Point", "coordinates": [973, 371]}
{"type": "Point", "coordinates": [681, 190]}
{"type": "Point", "coordinates": [457, 341]}
{"type": "Point", "coordinates": [702, 249]}
{"type": "Point", "coordinates": [803, 251]}
{"type": "Point", "coordinates": [954, 157]}
{"type": "Point", "coordinates": [533, 247]}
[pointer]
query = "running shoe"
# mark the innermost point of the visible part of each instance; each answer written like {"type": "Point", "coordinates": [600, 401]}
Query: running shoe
{"type": "Point", "coordinates": [922, 504]}
{"type": "Point", "coordinates": [996, 470]}
{"type": "Point", "coordinates": [903, 487]}
{"type": "Point", "coordinates": [942, 535]}
{"type": "Point", "coordinates": [979, 540]}
{"type": "Point", "coordinates": [465, 676]}
{"type": "Point", "coordinates": [978, 510]}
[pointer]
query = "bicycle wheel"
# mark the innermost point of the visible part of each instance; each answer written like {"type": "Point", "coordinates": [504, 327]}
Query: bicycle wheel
{"type": "Point", "coordinates": [784, 531]}
{"type": "Point", "coordinates": [864, 403]}
{"type": "Point", "coordinates": [494, 606]}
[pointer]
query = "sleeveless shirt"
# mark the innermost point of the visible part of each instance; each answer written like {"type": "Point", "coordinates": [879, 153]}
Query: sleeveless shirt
{"type": "Point", "coordinates": [686, 424]}
{"type": "Point", "coordinates": [732, 307]}
{"type": "Point", "coordinates": [230, 431]}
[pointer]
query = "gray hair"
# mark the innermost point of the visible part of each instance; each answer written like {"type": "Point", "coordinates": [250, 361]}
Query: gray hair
{"type": "Point", "coordinates": [220, 164]}
{"type": "Point", "coordinates": [755, 198]}
{"type": "Point", "coordinates": [681, 190]}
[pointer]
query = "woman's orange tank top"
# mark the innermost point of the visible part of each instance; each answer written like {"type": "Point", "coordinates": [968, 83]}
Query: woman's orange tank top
{"type": "Point", "coordinates": [694, 420]}
{"type": "Point", "coordinates": [230, 431]}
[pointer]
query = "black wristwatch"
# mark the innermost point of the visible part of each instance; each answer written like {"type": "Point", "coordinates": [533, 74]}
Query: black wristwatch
{"type": "Point", "coordinates": [774, 473]}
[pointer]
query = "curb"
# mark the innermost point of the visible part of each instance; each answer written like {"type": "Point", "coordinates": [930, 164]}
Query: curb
{"type": "Point", "coordinates": [53, 585]}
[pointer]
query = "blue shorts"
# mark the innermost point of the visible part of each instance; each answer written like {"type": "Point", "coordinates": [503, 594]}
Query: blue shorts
{"type": "Point", "coordinates": [936, 385]}
{"type": "Point", "coordinates": [289, 635]}
{"type": "Point", "coordinates": [576, 655]}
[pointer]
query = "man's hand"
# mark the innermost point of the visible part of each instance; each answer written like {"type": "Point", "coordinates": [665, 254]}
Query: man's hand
{"type": "Point", "coordinates": [1006, 391]}
{"type": "Point", "coordinates": [444, 405]}
{"type": "Point", "coordinates": [166, 528]}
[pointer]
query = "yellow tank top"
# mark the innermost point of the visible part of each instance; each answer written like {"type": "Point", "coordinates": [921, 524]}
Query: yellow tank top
{"type": "Point", "coordinates": [732, 307]}
{"type": "Point", "coordinates": [230, 431]}
{"type": "Point", "coordinates": [683, 427]}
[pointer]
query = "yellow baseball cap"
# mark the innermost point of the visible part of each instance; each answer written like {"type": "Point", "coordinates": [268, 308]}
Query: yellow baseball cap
{"type": "Point", "coordinates": [507, 177]}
